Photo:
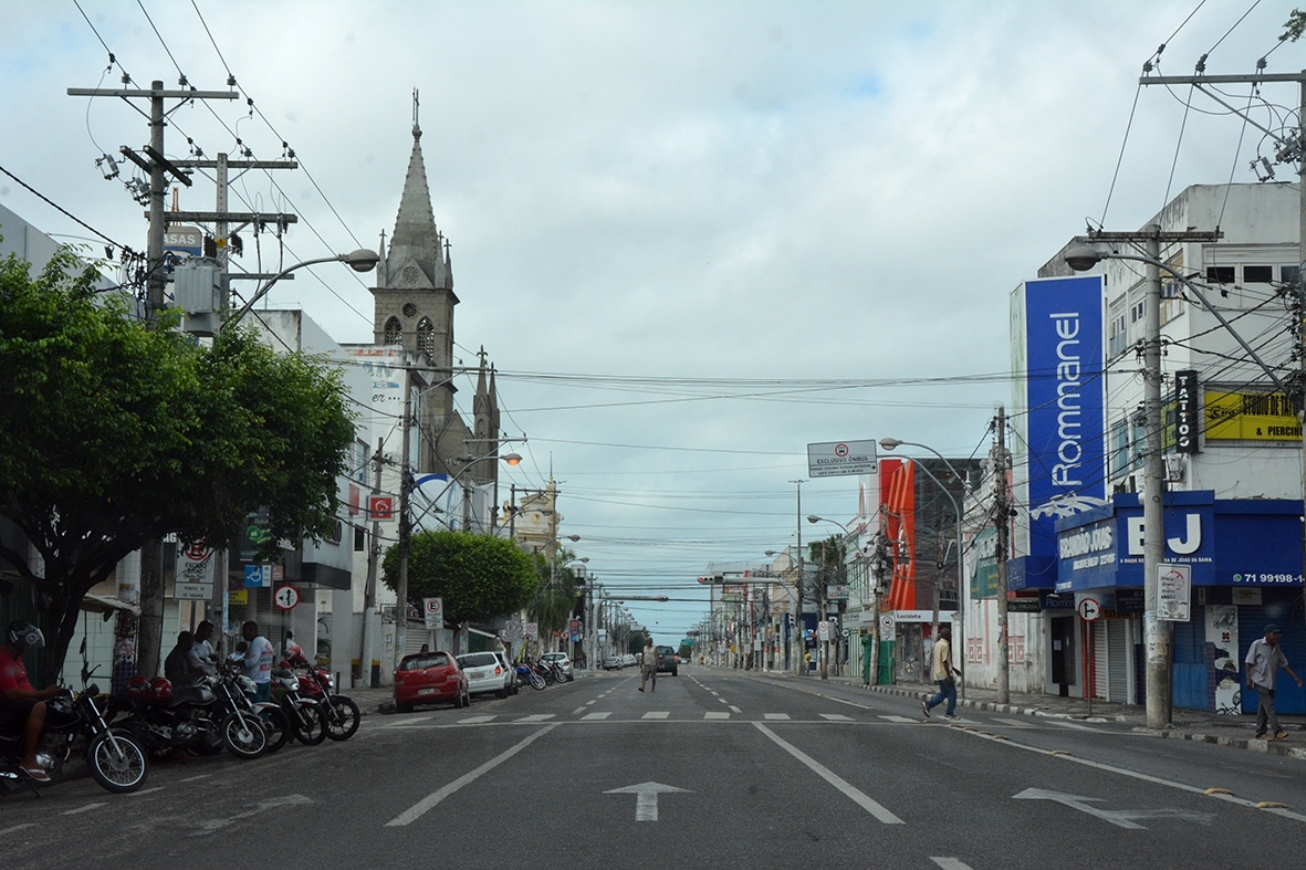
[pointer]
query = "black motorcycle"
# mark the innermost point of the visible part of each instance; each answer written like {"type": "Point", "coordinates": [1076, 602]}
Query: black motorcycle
{"type": "Point", "coordinates": [115, 758]}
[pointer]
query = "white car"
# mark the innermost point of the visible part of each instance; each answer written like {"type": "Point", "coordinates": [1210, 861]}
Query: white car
{"type": "Point", "coordinates": [628, 660]}
{"type": "Point", "coordinates": [612, 663]}
{"type": "Point", "coordinates": [485, 673]}
{"type": "Point", "coordinates": [563, 663]}
{"type": "Point", "coordinates": [509, 673]}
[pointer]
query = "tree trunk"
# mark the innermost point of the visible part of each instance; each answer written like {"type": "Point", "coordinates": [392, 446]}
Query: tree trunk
{"type": "Point", "coordinates": [149, 642]}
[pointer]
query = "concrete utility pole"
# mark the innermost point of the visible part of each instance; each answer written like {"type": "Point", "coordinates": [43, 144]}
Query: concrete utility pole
{"type": "Point", "coordinates": [366, 653]}
{"type": "Point", "coordinates": [149, 637]}
{"type": "Point", "coordinates": [405, 529]}
{"type": "Point", "coordinates": [800, 666]}
{"type": "Point", "coordinates": [1001, 520]}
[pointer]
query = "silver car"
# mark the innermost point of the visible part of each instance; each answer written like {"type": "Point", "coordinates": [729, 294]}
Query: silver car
{"type": "Point", "coordinates": [484, 673]}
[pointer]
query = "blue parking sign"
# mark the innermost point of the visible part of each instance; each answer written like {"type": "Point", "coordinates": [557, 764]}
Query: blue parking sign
{"type": "Point", "coordinates": [254, 577]}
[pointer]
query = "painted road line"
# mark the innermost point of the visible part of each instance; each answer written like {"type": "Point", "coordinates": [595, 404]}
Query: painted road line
{"type": "Point", "coordinates": [836, 717]}
{"type": "Point", "coordinates": [594, 717]}
{"type": "Point", "coordinates": [145, 791]}
{"type": "Point", "coordinates": [1014, 723]}
{"type": "Point", "coordinates": [579, 710]}
{"type": "Point", "coordinates": [646, 798]}
{"type": "Point", "coordinates": [417, 810]}
{"type": "Point", "coordinates": [781, 717]}
{"type": "Point", "coordinates": [85, 809]}
{"type": "Point", "coordinates": [656, 715]}
{"type": "Point", "coordinates": [17, 828]}
{"type": "Point", "coordinates": [900, 720]}
{"type": "Point", "coordinates": [734, 709]}
{"type": "Point", "coordinates": [723, 700]}
{"type": "Point", "coordinates": [537, 717]}
{"type": "Point", "coordinates": [716, 714]}
{"type": "Point", "coordinates": [193, 778]}
{"type": "Point", "coordinates": [950, 864]}
{"type": "Point", "coordinates": [1072, 725]}
{"type": "Point", "coordinates": [850, 791]}
{"type": "Point", "coordinates": [478, 720]}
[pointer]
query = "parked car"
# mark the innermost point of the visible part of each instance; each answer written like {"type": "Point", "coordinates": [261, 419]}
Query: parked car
{"type": "Point", "coordinates": [430, 678]}
{"type": "Point", "coordinates": [629, 660]}
{"type": "Point", "coordinates": [510, 683]}
{"type": "Point", "coordinates": [564, 664]}
{"type": "Point", "coordinates": [484, 673]}
{"type": "Point", "coordinates": [667, 661]}
{"type": "Point", "coordinates": [612, 663]}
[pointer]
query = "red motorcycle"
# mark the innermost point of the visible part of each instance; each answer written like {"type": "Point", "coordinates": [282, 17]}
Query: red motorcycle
{"type": "Point", "coordinates": [339, 712]}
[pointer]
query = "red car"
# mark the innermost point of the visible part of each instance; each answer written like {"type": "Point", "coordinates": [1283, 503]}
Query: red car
{"type": "Point", "coordinates": [430, 678]}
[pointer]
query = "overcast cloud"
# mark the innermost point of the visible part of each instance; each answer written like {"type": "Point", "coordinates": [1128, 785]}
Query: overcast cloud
{"type": "Point", "coordinates": [748, 191]}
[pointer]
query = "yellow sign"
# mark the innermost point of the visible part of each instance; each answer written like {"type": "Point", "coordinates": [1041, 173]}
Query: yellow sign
{"type": "Point", "coordinates": [240, 596]}
{"type": "Point", "coordinates": [1250, 417]}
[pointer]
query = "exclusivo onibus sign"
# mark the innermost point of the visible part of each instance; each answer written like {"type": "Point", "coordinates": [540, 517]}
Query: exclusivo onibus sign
{"type": "Point", "coordinates": [831, 458]}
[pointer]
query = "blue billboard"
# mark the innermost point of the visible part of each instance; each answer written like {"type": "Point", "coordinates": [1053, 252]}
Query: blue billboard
{"type": "Point", "coordinates": [1064, 403]}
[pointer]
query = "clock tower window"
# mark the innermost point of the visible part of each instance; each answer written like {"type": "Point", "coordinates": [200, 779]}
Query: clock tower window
{"type": "Point", "coordinates": [394, 332]}
{"type": "Point", "coordinates": [426, 337]}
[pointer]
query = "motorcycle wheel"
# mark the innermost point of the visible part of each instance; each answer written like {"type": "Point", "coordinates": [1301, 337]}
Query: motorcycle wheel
{"type": "Point", "coordinates": [277, 726]}
{"type": "Point", "coordinates": [342, 718]}
{"type": "Point", "coordinates": [118, 765]}
{"type": "Point", "coordinates": [537, 682]}
{"type": "Point", "coordinates": [246, 741]}
{"type": "Point", "coordinates": [308, 724]}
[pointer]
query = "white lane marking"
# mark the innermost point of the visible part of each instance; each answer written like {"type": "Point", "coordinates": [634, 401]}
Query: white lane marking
{"type": "Point", "coordinates": [777, 716]}
{"type": "Point", "coordinates": [193, 778]}
{"type": "Point", "coordinates": [579, 710]}
{"type": "Point", "coordinates": [950, 864]}
{"type": "Point", "coordinates": [594, 717]}
{"type": "Point", "coordinates": [850, 791]}
{"type": "Point", "coordinates": [1119, 818]}
{"type": "Point", "coordinates": [211, 826]}
{"type": "Point", "coordinates": [145, 791]}
{"type": "Point", "coordinates": [478, 720]}
{"type": "Point", "coordinates": [1015, 723]}
{"type": "Point", "coordinates": [656, 715]}
{"type": "Point", "coordinates": [836, 717]}
{"type": "Point", "coordinates": [716, 714]}
{"type": "Point", "coordinates": [537, 717]}
{"type": "Point", "coordinates": [85, 809]}
{"type": "Point", "coordinates": [17, 828]}
{"type": "Point", "coordinates": [735, 709]}
{"type": "Point", "coordinates": [417, 810]}
{"type": "Point", "coordinates": [646, 798]}
{"type": "Point", "coordinates": [591, 703]}
{"type": "Point", "coordinates": [900, 720]}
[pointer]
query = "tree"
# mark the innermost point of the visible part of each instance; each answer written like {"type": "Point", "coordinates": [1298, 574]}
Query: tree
{"type": "Point", "coordinates": [555, 601]}
{"type": "Point", "coordinates": [478, 577]}
{"type": "Point", "coordinates": [114, 435]}
{"type": "Point", "coordinates": [635, 643]}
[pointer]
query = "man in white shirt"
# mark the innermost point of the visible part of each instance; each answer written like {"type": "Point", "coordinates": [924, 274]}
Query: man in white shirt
{"type": "Point", "coordinates": [258, 660]}
{"type": "Point", "coordinates": [201, 652]}
{"type": "Point", "coordinates": [1264, 658]}
{"type": "Point", "coordinates": [648, 669]}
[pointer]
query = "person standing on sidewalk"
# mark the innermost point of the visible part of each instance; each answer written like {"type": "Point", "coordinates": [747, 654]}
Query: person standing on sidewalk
{"type": "Point", "coordinates": [1264, 658]}
{"type": "Point", "coordinates": [942, 672]}
{"type": "Point", "coordinates": [648, 667]}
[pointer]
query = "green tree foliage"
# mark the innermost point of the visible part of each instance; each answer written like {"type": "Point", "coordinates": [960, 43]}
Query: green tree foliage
{"type": "Point", "coordinates": [478, 577]}
{"type": "Point", "coordinates": [555, 602]}
{"type": "Point", "coordinates": [1294, 27]}
{"type": "Point", "coordinates": [686, 651]}
{"type": "Point", "coordinates": [635, 643]}
{"type": "Point", "coordinates": [113, 435]}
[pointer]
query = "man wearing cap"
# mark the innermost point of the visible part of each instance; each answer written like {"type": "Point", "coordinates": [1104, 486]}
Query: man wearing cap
{"type": "Point", "coordinates": [1264, 659]}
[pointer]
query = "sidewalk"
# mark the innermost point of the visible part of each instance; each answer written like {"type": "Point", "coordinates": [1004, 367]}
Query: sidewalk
{"type": "Point", "coordinates": [1198, 725]}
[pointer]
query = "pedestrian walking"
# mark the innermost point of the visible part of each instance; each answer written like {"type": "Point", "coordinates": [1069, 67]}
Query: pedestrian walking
{"type": "Point", "coordinates": [942, 671]}
{"type": "Point", "coordinates": [648, 667]}
{"type": "Point", "coordinates": [1264, 658]}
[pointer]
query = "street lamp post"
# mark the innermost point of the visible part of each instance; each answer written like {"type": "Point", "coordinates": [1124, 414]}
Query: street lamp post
{"type": "Point", "coordinates": [361, 260]}
{"type": "Point", "coordinates": [959, 616]}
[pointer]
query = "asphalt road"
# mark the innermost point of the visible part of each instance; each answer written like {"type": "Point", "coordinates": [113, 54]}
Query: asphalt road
{"type": "Point", "coordinates": [714, 769]}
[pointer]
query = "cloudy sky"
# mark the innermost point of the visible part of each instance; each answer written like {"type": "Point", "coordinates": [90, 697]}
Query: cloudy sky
{"type": "Point", "coordinates": [692, 236]}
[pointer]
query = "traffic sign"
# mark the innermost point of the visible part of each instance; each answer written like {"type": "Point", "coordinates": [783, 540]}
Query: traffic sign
{"type": "Point", "coordinates": [532, 630]}
{"type": "Point", "coordinates": [1089, 609]}
{"type": "Point", "coordinates": [887, 626]}
{"type": "Point", "coordinates": [433, 610]}
{"type": "Point", "coordinates": [381, 507]}
{"type": "Point", "coordinates": [257, 576]}
{"type": "Point", "coordinates": [286, 597]}
{"type": "Point", "coordinates": [823, 629]}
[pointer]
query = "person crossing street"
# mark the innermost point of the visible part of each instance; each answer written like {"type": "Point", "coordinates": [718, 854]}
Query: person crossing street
{"type": "Point", "coordinates": [648, 667]}
{"type": "Point", "coordinates": [942, 671]}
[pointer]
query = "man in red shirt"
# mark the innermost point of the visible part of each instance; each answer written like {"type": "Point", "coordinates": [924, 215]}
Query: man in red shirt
{"type": "Point", "coordinates": [22, 708]}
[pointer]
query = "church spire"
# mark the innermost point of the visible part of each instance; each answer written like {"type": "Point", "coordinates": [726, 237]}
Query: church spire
{"type": "Point", "coordinates": [417, 256]}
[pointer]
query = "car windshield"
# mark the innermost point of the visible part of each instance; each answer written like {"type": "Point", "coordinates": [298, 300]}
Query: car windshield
{"type": "Point", "coordinates": [428, 660]}
{"type": "Point", "coordinates": [477, 660]}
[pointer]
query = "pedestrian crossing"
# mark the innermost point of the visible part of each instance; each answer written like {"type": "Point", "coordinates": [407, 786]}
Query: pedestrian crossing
{"type": "Point", "coordinates": [669, 715]}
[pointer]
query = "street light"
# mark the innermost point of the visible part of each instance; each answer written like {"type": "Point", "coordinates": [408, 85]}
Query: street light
{"type": "Point", "coordinates": [959, 615]}
{"type": "Point", "coordinates": [824, 604]}
{"type": "Point", "coordinates": [361, 260]}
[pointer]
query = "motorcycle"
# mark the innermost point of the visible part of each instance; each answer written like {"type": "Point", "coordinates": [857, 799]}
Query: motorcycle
{"type": "Point", "coordinates": [239, 725]}
{"type": "Point", "coordinates": [204, 716]}
{"type": "Point", "coordinates": [527, 673]}
{"type": "Point", "coordinates": [340, 713]}
{"type": "Point", "coordinates": [116, 760]}
{"type": "Point", "coordinates": [307, 721]}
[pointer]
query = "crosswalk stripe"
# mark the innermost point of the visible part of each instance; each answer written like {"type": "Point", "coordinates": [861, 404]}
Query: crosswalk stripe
{"type": "Point", "coordinates": [656, 715]}
{"type": "Point", "coordinates": [588, 717]}
{"type": "Point", "coordinates": [477, 720]}
{"type": "Point", "coordinates": [836, 717]}
{"type": "Point", "coordinates": [537, 717]}
{"type": "Point", "coordinates": [777, 716]}
{"type": "Point", "coordinates": [712, 714]}
{"type": "Point", "coordinates": [899, 719]}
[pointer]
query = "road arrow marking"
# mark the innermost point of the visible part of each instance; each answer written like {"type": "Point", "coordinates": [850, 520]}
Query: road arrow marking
{"type": "Point", "coordinates": [646, 798]}
{"type": "Point", "coordinates": [1119, 818]}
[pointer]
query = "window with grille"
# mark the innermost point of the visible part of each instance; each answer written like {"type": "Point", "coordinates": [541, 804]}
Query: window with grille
{"type": "Point", "coordinates": [394, 332]}
{"type": "Point", "coordinates": [426, 337]}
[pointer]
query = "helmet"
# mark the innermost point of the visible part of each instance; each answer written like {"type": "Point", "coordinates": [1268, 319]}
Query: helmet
{"type": "Point", "coordinates": [139, 687]}
{"type": "Point", "coordinates": [161, 688]}
{"type": "Point", "coordinates": [23, 636]}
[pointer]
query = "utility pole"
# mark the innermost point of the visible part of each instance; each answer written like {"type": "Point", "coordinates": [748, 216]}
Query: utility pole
{"type": "Point", "coordinates": [799, 665]}
{"type": "Point", "coordinates": [366, 654]}
{"type": "Point", "coordinates": [1001, 518]}
{"type": "Point", "coordinates": [405, 529]}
